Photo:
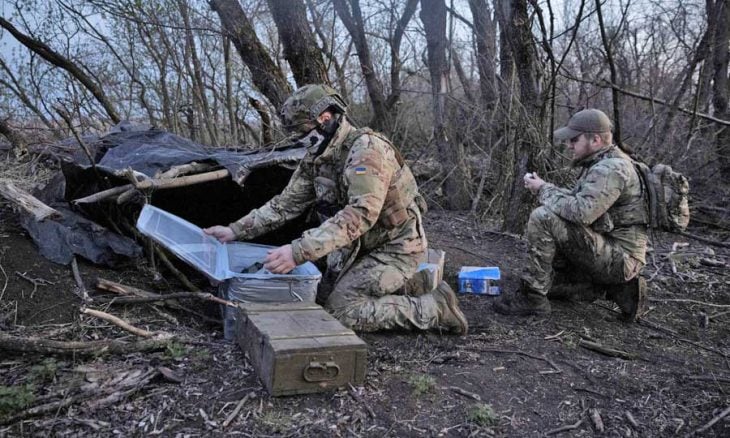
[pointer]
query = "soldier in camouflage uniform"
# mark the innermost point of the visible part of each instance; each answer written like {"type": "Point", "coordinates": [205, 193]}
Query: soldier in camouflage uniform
{"type": "Point", "coordinates": [596, 232]}
{"type": "Point", "coordinates": [369, 207]}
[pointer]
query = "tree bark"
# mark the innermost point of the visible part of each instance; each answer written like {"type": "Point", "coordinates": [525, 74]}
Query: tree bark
{"type": "Point", "coordinates": [197, 74]}
{"type": "Point", "coordinates": [485, 32]}
{"type": "Point", "coordinates": [45, 52]}
{"type": "Point", "coordinates": [433, 16]}
{"type": "Point", "coordinates": [266, 75]}
{"type": "Point", "coordinates": [353, 21]}
{"type": "Point", "coordinates": [300, 48]}
{"type": "Point", "coordinates": [720, 83]}
{"type": "Point", "coordinates": [517, 202]}
{"type": "Point", "coordinates": [20, 146]}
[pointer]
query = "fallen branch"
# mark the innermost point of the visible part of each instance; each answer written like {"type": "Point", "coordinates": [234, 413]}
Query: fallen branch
{"type": "Point", "coordinates": [43, 409]}
{"type": "Point", "coordinates": [687, 300]}
{"type": "Point", "coordinates": [712, 422]}
{"type": "Point", "coordinates": [705, 240]}
{"type": "Point", "coordinates": [79, 281]}
{"type": "Point", "coordinates": [172, 296]}
{"type": "Point", "coordinates": [522, 353]}
{"type": "Point", "coordinates": [630, 418]}
{"type": "Point", "coordinates": [47, 346]}
{"type": "Point", "coordinates": [565, 428]}
{"type": "Point", "coordinates": [465, 393]}
{"type": "Point", "coordinates": [118, 322]}
{"type": "Point", "coordinates": [595, 416]}
{"type": "Point", "coordinates": [131, 292]}
{"type": "Point", "coordinates": [594, 346]}
{"type": "Point", "coordinates": [237, 409]}
{"type": "Point", "coordinates": [360, 400]}
{"type": "Point", "coordinates": [27, 202]}
{"type": "Point", "coordinates": [158, 184]}
{"type": "Point", "coordinates": [710, 378]}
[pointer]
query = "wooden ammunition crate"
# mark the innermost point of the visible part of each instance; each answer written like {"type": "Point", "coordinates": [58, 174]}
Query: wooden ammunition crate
{"type": "Point", "coordinates": [298, 348]}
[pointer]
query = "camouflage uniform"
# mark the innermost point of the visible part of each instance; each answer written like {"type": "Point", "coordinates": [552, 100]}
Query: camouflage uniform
{"type": "Point", "coordinates": [370, 231]}
{"type": "Point", "coordinates": [598, 227]}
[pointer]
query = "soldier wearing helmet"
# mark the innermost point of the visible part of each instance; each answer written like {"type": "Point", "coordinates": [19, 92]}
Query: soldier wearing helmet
{"type": "Point", "coordinates": [370, 231]}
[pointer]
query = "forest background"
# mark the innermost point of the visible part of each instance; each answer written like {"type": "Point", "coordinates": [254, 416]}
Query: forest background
{"type": "Point", "coordinates": [470, 90]}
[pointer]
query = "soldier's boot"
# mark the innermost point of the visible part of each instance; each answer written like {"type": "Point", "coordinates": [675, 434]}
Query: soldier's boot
{"type": "Point", "coordinates": [630, 297]}
{"type": "Point", "coordinates": [523, 302]}
{"type": "Point", "coordinates": [450, 316]}
{"type": "Point", "coordinates": [586, 292]}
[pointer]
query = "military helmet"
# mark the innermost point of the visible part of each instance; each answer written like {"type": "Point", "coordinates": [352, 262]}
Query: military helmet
{"type": "Point", "coordinates": [302, 108]}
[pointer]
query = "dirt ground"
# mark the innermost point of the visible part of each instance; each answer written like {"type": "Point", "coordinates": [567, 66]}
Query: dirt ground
{"type": "Point", "coordinates": [521, 377]}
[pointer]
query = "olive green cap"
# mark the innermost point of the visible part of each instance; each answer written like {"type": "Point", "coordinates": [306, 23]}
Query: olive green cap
{"type": "Point", "coordinates": [587, 121]}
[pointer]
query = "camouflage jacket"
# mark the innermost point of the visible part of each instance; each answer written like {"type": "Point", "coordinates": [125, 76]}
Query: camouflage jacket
{"type": "Point", "coordinates": [608, 197]}
{"type": "Point", "coordinates": [364, 197]}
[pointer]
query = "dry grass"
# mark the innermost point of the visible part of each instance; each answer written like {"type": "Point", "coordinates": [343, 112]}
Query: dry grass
{"type": "Point", "coordinates": [27, 173]}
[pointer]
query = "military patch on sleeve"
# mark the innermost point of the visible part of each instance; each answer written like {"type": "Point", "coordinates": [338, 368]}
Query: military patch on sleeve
{"type": "Point", "coordinates": [360, 170]}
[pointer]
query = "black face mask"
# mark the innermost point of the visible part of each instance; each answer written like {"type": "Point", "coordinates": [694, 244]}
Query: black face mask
{"type": "Point", "coordinates": [315, 141]}
{"type": "Point", "coordinates": [329, 127]}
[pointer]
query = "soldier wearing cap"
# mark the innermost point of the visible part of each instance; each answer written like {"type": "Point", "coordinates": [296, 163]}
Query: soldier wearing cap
{"type": "Point", "coordinates": [590, 241]}
{"type": "Point", "coordinates": [370, 231]}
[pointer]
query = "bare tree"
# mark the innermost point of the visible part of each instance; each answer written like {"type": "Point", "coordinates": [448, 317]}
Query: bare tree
{"type": "Point", "coordinates": [45, 52]}
{"type": "Point", "coordinates": [433, 16]}
{"type": "Point", "coordinates": [300, 47]}
{"type": "Point", "coordinates": [265, 74]}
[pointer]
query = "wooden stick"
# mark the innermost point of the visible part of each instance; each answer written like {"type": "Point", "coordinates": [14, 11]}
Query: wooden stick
{"type": "Point", "coordinates": [121, 289]}
{"type": "Point", "coordinates": [356, 396]}
{"type": "Point", "coordinates": [687, 300]}
{"type": "Point", "coordinates": [565, 428]}
{"type": "Point", "coordinates": [630, 418]}
{"type": "Point", "coordinates": [596, 419]}
{"type": "Point", "coordinates": [118, 322]}
{"type": "Point", "coordinates": [712, 422]}
{"type": "Point", "coordinates": [167, 183]}
{"type": "Point", "coordinates": [465, 393]}
{"type": "Point", "coordinates": [79, 281]}
{"type": "Point", "coordinates": [173, 296]}
{"type": "Point", "coordinates": [704, 240]}
{"type": "Point", "coordinates": [237, 409]}
{"type": "Point", "coordinates": [545, 358]}
{"type": "Point", "coordinates": [174, 271]}
{"type": "Point", "coordinates": [27, 202]}
{"type": "Point", "coordinates": [606, 350]}
{"type": "Point", "coordinates": [47, 346]}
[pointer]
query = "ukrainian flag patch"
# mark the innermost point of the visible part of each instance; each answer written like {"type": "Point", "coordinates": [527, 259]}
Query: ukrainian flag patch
{"type": "Point", "coordinates": [360, 170]}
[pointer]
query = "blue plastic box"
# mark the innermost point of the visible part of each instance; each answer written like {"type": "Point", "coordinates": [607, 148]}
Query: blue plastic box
{"type": "Point", "coordinates": [479, 280]}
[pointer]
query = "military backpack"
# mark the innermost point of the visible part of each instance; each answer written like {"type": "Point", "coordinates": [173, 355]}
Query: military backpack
{"type": "Point", "coordinates": [667, 196]}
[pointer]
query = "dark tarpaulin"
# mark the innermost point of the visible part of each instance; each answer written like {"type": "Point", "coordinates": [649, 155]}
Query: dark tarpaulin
{"type": "Point", "coordinates": [148, 151]}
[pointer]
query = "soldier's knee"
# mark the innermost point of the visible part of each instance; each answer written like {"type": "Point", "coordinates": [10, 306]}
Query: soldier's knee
{"type": "Point", "coordinates": [542, 215]}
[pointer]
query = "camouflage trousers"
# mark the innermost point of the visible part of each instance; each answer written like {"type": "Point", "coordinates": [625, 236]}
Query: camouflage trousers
{"type": "Point", "coordinates": [370, 296]}
{"type": "Point", "coordinates": [579, 253]}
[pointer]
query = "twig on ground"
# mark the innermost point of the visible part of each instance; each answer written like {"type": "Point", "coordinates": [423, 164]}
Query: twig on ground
{"type": "Point", "coordinates": [594, 346]}
{"type": "Point", "coordinates": [173, 296]}
{"type": "Point", "coordinates": [595, 416]}
{"type": "Point", "coordinates": [118, 322]}
{"type": "Point", "coordinates": [544, 358]}
{"type": "Point", "coordinates": [705, 240]}
{"type": "Point", "coordinates": [47, 346]}
{"type": "Point", "coordinates": [465, 393]}
{"type": "Point", "coordinates": [630, 418]}
{"type": "Point", "coordinates": [687, 300]}
{"type": "Point", "coordinates": [79, 281]}
{"type": "Point", "coordinates": [237, 409]}
{"type": "Point", "coordinates": [34, 281]}
{"type": "Point", "coordinates": [565, 428]}
{"type": "Point", "coordinates": [356, 396]}
{"type": "Point", "coordinates": [710, 378]}
{"type": "Point", "coordinates": [712, 422]}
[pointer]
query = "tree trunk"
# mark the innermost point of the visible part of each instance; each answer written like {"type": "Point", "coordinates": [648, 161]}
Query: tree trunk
{"type": "Point", "coordinates": [229, 90]}
{"type": "Point", "coordinates": [433, 16]}
{"type": "Point", "coordinates": [20, 146]}
{"type": "Point", "coordinates": [266, 75]}
{"type": "Point", "coordinates": [353, 21]}
{"type": "Point", "coordinates": [485, 35]}
{"type": "Point", "coordinates": [300, 48]}
{"type": "Point", "coordinates": [719, 84]}
{"type": "Point", "coordinates": [45, 52]}
{"type": "Point", "coordinates": [518, 201]}
{"type": "Point", "coordinates": [197, 74]}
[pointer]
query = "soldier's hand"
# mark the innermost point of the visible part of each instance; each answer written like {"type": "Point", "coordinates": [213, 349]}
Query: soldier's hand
{"type": "Point", "coordinates": [280, 260]}
{"type": "Point", "coordinates": [533, 182]}
{"type": "Point", "coordinates": [223, 234]}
